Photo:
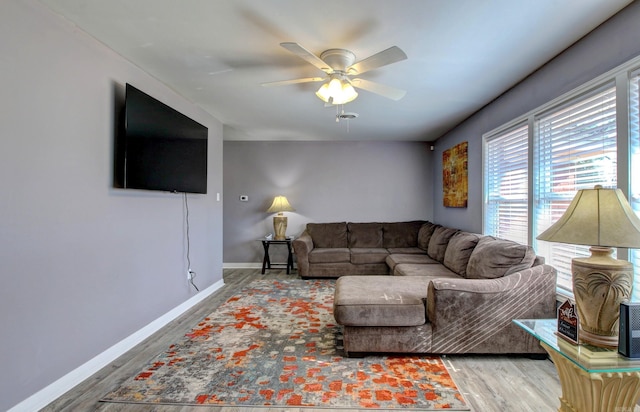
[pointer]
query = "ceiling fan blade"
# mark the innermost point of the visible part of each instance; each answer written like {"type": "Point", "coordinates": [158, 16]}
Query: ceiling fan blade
{"type": "Point", "coordinates": [305, 54]}
{"type": "Point", "coordinates": [381, 89]}
{"type": "Point", "coordinates": [294, 81]}
{"type": "Point", "coordinates": [391, 55]}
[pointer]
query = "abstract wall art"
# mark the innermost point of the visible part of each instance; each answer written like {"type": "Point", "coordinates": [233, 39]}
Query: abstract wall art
{"type": "Point", "coordinates": [454, 175]}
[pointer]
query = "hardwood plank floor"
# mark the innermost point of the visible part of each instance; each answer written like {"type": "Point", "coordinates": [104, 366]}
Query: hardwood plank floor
{"type": "Point", "coordinates": [489, 383]}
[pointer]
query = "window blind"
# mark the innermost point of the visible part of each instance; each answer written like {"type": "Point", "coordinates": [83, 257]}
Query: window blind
{"type": "Point", "coordinates": [506, 185]}
{"type": "Point", "coordinates": [634, 176]}
{"type": "Point", "coordinates": [575, 148]}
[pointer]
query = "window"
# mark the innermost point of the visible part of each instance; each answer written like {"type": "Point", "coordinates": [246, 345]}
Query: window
{"type": "Point", "coordinates": [575, 148]}
{"type": "Point", "coordinates": [535, 164]}
{"type": "Point", "coordinates": [506, 183]}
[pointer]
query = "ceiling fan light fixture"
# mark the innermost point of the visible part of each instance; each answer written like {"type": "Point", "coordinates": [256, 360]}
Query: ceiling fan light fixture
{"type": "Point", "coordinates": [323, 92]}
{"type": "Point", "coordinates": [339, 64]}
{"type": "Point", "coordinates": [336, 91]}
{"type": "Point", "coordinates": [335, 87]}
{"type": "Point", "coordinates": [348, 92]}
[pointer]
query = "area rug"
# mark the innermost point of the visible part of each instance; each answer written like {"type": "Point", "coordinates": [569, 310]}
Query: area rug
{"type": "Point", "coordinates": [276, 344]}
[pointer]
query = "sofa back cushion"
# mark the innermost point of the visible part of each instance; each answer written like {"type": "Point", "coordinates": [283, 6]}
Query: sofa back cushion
{"type": "Point", "coordinates": [494, 258]}
{"type": "Point", "coordinates": [401, 234]}
{"type": "Point", "coordinates": [328, 234]}
{"type": "Point", "coordinates": [424, 235]}
{"type": "Point", "coordinates": [439, 241]}
{"type": "Point", "coordinates": [365, 235]}
{"type": "Point", "coordinates": [459, 250]}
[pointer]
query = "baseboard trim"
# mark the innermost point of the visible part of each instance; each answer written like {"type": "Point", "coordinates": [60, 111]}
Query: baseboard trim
{"type": "Point", "coordinates": [249, 265]}
{"type": "Point", "coordinates": [53, 391]}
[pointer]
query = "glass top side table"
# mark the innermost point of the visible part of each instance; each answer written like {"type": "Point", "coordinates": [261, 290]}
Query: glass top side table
{"type": "Point", "coordinates": [593, 379]}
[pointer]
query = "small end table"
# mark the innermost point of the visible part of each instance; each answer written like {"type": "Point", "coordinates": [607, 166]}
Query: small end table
{"type": "Point", "coordinates": [593, 379]}
{"type": "Point", "coordinates": [266, 260]}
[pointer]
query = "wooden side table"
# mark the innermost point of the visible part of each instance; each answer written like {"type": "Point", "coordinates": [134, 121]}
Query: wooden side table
{"type": "Point", "coordinates": [266, 260]}
{"type": "Point", "coordinates": [593, 379]}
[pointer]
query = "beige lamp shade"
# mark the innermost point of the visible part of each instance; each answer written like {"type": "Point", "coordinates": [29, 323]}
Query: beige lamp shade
{"type": "Point", "coordinates": [597, 217]}
{"type": "Point", "coordinates": [280, 204]}
{"type": "Point", "coordinates": [603, 219]}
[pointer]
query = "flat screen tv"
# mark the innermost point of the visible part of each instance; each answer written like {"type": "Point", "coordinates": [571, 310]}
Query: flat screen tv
{"type": "Point", "coordinates": [159, 148]}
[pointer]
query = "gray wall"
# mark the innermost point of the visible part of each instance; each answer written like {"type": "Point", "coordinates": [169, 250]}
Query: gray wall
{"type": "Point", "coordinates": [324, 182]}
{"type": "Point", "coordinates": [83, 265]}
{"type": "Point", "coordinates": [608, 46]}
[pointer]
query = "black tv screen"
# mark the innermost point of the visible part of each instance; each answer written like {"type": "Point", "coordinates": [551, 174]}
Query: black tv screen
{"type": "Point", "coordinates": [161, 149]}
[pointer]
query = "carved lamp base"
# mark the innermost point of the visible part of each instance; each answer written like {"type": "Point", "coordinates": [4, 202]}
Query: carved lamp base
{"type": "Point", "coordinates": [600, 284]}
{"type": "Point", "coordinates": [280, 226]}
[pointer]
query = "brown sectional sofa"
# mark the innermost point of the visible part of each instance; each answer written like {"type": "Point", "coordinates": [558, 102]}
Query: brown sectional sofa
{"type": "Point", "coordinates": [339, 249]}
{"type": "Point", "coordinates": [451, 291]}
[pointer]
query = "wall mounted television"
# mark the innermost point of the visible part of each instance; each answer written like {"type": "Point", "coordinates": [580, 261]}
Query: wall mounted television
{"type": "Point", "coordinates": [159, 148]}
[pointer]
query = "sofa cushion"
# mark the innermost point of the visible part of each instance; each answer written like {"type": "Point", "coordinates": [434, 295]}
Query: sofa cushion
{"type": "Point", "coordinates": [328, 234]}
{"type": "Point", "coordinates": [395, 259]}
{"type": "Point", "coordinates": [329, 255]}
{"type": "Point", "coordinates": [429, 271]}
{"type": "Point", "coordinates": [459, 250]}
{"type": "Point", "coordinates": [360, 256]}
{"type": "Point", "coordinates": [439, 241]}
{"type": "Point", "coordinates": [407, 250]}
{"type": "Point", "coordinates": [401, 234]}
{"type": "Point", "coordinates": [380, 301]}
{"type": "Point", "coordinates": [424, 235]}
{"type": "Point", "coordinates": [494, 258]}
{"type": "Point", "coordinates": [365, 235]}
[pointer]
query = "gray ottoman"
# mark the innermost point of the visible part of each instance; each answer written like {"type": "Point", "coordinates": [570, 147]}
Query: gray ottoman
{"type": "Point", "coordinates": [383, 314]}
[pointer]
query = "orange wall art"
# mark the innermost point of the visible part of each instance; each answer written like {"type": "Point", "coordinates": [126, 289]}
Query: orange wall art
{"type": "Point", "coordinates": [455, 183]}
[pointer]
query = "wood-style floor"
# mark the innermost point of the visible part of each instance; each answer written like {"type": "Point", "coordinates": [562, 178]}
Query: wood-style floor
{"type": "Point", "coordinates": [489, 383]}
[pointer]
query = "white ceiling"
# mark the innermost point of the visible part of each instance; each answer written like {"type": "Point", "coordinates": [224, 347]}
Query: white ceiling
{"type": "Point", "coordinates": [461, 55]}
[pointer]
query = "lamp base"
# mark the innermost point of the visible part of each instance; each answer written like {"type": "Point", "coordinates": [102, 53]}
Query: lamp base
{"type": "Point", "coordinates": [600, 284]}
{"type": "Point", "coordinates": [280, 226]}
{"type": "Point", "coordinates": [609, 342]}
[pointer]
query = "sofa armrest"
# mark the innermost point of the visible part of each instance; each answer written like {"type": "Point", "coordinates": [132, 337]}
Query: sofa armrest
{"type": "Point", "coordinates": [479, 306]}
{"type": "Point", "coordinates": [302, 246]}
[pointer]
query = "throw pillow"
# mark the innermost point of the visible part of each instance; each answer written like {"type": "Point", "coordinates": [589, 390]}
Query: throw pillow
{"type": "Point", "coordinates": [494, 258]}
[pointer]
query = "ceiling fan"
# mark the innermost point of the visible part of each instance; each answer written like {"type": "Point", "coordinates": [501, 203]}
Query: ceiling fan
{"type": "Point", "coordinates": [340, 66]}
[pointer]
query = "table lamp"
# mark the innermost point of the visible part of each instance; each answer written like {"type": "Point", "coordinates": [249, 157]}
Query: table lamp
{"type": "Point", "coordinates": [280, 204]}
{"type": "Point", "coordinates": [603, 219]}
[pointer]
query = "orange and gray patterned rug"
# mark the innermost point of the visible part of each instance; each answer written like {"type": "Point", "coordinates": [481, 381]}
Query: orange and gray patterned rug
{"type": "Point", "coordinates": [276, 344]}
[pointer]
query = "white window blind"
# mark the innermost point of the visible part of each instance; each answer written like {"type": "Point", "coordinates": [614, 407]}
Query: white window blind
{"type": "Point", "coordinates": [634, 176]}
{"type": "Point", "coordinates": [506, 185]}
{"type": "Point", "coordinates": [575, 148]}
